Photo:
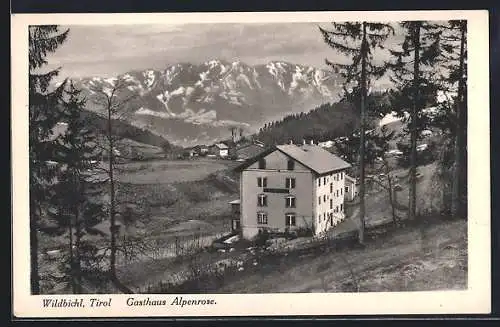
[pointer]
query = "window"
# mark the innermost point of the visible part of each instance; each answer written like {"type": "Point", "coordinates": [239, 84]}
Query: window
{"type": "Point", "coordinates": [337, 209]}
{"type": "Point", "coordinates": [262, 181]}
{"type": "Point", "coordinates": [319, 199]}
{"type": "Point", "coordinates": [340, 191]}
{"type": "Point", "coordinates": [347, 189]}
{"type": "Point", "coordinates": [331, 203]}
{"type": "Point", "coordinates": [331, 187]}
{"type": "Point", "coordinates": [291, 164]}
{"type": "Point", "coordinates": [324, 215]}
{"type": "Point", "coordinates": [262, 163]}
{"type": "Point", "coordinates": [324, 198]}
{"type": "Point", "coordinates": [342, 175]}
{"type": "Point", "coordinates": [290, 182]}
{"type": "Point", "coordinates": [341, 207]}
{"type": "Point", "coordinates": [290, 219]}
{"type": "Point", "coordinates": [290, 201]}
{"type": "Point", "coordinates": [262, 200]}
{"type": "Point", "coordinates": [319, 181]}
{"type": "Point", "coordinates": [324, 180]}
{"type": "Point", "coordinates": [337, 193]}
{"type": "Point", "coordinates": [262, 218]}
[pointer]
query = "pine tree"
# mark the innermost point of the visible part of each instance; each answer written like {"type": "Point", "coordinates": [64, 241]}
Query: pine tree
{"type": "Point", "coordinates": [456, 57]}
{"type": "Point", "coordinates": [43, 116]}
{"type": "Point", "coordinates": [78, 153]}
{"type": "Point", "coordinates": [358, 40]}
{"type": "Point", "coordinates": [412, 70]}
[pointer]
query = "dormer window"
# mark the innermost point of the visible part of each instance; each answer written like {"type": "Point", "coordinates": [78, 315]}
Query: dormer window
{"type": "Point", "coordinates": [262, 163]}
{"type": "Point", "coordinates": [291, 164]}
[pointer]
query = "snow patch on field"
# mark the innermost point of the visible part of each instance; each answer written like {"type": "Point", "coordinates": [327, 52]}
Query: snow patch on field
{"type": "Point", "coordinates": [149, 112]}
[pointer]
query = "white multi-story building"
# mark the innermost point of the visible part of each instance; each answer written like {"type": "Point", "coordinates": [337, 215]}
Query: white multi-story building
{"type": "Point", "coordinates": [291, 187]}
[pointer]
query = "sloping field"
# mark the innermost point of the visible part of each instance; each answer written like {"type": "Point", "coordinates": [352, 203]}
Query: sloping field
{"type": "Point", "coordinates": [431, 257]}
{"type": "Point", "coordinates": [170, 171]}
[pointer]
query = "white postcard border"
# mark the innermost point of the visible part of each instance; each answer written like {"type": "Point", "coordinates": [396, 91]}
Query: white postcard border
{"type": "Point", "coordinates": [476, 299]}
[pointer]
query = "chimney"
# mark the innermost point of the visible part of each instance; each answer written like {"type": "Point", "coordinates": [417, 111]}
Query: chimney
{"type": "Point", "coordinates": [291, 141]}
{"type": "Point", "coordinates": [312, 142]}
{"type": "Point", "coordinates": [303, 142]}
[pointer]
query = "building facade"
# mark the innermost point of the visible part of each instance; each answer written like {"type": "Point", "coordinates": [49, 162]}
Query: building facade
{"type": "Point", "coordinates": [221, 150]}
{"type": "Point", "coordinates": [290, 187]}
{"type": "Point", "coordinates": [351, 188]}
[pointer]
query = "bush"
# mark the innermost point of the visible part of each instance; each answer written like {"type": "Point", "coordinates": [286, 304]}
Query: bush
{"type": "Point", "coordinates": [304, 232]}
{"type": "Point", "coordinates": [262, 238]}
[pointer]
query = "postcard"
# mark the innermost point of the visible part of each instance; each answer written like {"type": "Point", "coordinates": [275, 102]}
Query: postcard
{"type": "Point", "coordinates": [250, 164]}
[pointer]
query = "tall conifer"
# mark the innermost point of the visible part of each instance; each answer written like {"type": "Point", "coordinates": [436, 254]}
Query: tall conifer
{"type": "Point", "coordinates": [414, 68]}
{"type": "Point", "coordinates": [43, 117]}
{"type": "Point", "coordinates": [357, 41]}
{"type": "Point", "coordinates": [78, 154]}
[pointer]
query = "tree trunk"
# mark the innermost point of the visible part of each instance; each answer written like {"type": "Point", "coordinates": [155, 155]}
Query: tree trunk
{"type": "Point", "coordinates": [458, 207]}
{"type": "Point", "coordinates": [113, 228]}
{"type": "Point", "coordinates": [34, 277]}
{"type": "Point", "coordinates": [413, 134]}
{"type": "Point", "coordinates": [71, 259]}
{"type": "Point", "coordinates": [112, 223]}
{"type": "Point", "coordinates": [78, 263]}
{"type": "Point", "coordinates": [391, 190]}
{"type": "Point", "coordinates": [364, 53]}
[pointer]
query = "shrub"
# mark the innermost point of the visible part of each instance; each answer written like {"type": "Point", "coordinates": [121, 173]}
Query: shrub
{"type": "Point", "coordinates": [261, 238]}
{"type": "Point", "coordinates": [304, 232]}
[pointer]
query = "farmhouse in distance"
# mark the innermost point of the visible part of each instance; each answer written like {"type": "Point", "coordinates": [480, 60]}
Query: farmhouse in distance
{"type": "Point", "coordinates": [291, 187]}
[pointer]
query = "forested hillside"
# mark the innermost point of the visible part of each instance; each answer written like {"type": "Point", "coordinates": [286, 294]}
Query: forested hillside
{"type": "Point", "coordinates": [326, 122]}
{"type": "Point", "coordinates": [123, 129]}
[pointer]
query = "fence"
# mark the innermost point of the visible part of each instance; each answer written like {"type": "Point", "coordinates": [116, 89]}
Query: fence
{"type": "Point", "coordinates": [350, 238]}
{"type": "Point", "coordinates": [133, 250]}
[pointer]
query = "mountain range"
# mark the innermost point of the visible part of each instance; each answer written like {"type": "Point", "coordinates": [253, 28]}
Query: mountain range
{"type": "Point", "coordinates": [190, 104]}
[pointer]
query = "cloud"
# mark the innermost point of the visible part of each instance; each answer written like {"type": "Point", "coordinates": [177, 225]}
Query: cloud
{"type": "Point", "coordinates": [111, 50]}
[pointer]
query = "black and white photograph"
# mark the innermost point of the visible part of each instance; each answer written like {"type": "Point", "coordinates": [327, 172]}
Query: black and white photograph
{"type": "Point", "coordinates": [196, 159]}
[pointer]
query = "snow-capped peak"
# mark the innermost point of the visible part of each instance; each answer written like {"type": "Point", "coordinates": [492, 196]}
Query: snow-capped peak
{"type": "Point", "coordinates": [226, 90]}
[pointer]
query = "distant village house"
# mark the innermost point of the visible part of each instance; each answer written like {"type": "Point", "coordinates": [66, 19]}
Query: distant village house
{"type": "Point", "coordinates": [221, 150]}
{"type": "Point", "coordinates": [248, 151]}
{"type": "Point", "coordinates": [201, 150]}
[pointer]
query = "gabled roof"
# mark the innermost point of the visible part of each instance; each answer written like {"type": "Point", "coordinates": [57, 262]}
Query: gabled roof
{"type": "Point", "coordinates": [249, 150]}
{"type": "Point", "coordinates": [313, 157]}
{"type": "Point", "coordinates": [221, 146]}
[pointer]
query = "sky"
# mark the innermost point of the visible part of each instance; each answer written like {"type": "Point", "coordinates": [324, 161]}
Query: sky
{"type": "Point", "coordinates": [110, 50]}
